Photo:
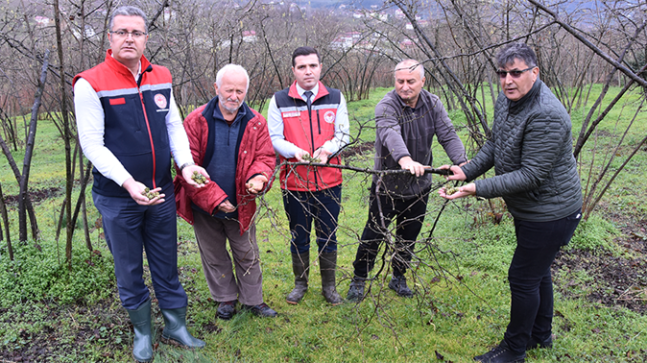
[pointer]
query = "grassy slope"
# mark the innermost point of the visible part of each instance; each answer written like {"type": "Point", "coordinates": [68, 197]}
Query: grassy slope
{"type": "Point", "coordinates": [455, 319]}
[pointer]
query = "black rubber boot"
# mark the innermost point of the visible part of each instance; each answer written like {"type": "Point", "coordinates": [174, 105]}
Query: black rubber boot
{"type": "Point", "coordinates": [356, 289]}
{"type": "Point", "coordinates": [398, 284]}
{"type": "Point", "coordinates": [328, 266]}
{"type": "Point", "coordinates": [175, 331]}
{"type": "Point", "coordinates": [301, 269]}
{"type": "Point", "coordinates": [143, 342]}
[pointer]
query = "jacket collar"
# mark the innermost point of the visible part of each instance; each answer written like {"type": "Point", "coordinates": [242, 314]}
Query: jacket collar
{"type": "Point", "coordinates": [422, 99]}
{"type": "Point", "coordinates": [520, 103]}
{"type": "Point", "coordinates": [294, 93]}
{"type": "Point", "coordinates": [122, 69]}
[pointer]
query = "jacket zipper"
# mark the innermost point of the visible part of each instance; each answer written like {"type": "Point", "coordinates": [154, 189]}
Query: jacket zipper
{"type": "Point", "coordinates": [312, 138]}
{"type": "Point", "coordinates": [318, 122]}
{"type": "Point", "coordinates": [150, 134]}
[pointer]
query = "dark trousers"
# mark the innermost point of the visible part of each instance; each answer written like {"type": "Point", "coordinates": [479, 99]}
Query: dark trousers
{"type": "Point", "coordinates": [322, 208]}
{"type": "Point", "coordinates": [410, 215]}
{"type": "Point", "coordinates": [131, 228]}
{"type": "Point", "coordinates": [531, 286]}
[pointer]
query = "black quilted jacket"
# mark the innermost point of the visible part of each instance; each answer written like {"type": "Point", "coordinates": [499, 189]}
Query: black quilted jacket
{"type": "Point", "coordinates": [532, 154]}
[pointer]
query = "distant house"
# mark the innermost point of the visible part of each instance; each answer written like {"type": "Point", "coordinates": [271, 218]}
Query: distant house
{"type": "Point", "coordinates": [169, 15]}
{"type": "Point", "coordinates": [249, 36]}
{"type": "Point", "coordinates": [346, 40]}
{"type": "Point", "coordinates": [88, 33]}
{"type": "Point", "coordinates": [42, 20]}
{"type": "Point", "coordinates": [407, 44]}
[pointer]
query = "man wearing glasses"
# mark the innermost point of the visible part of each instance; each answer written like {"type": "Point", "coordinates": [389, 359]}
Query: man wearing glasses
{"type": "Point", "coordinates": [531, 151]}
{"type": "Point", "coordinates": [406, 119]}
{"type": "Point", "coordinates": [128, 127]}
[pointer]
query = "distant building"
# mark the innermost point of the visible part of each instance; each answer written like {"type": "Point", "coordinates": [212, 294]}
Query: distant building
{"type": "Point", "coordinates": [42, 20]}
{"type": "Point", "coordinates": [249, 36]}
{"type": "Point", "coordinates": [346, 40]}
{"type": "Point", "coordinates": [407, 44]}
{"type": "Point", "coordinates": [169, 15]}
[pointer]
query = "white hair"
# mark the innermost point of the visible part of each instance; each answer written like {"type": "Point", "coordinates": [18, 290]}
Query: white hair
{"type": "Point", "coordinates": [231, 68]}
{"type": "Point", "coordinates": [411, 65]}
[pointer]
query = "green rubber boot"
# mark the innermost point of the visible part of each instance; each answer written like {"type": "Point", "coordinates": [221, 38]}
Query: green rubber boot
{"type": "Point", "coordinates": [143, 342]}
{"type": "Point", "coordinates": [175, 331]}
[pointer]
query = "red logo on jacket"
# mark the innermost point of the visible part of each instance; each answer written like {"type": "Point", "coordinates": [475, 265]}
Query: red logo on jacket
{"type": "Point", "coordinates": [329, 117]}
{"type": "Point", "coordinates": [160, 100]}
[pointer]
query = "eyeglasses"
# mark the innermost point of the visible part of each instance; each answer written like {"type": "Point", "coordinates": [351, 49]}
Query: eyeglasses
{"type": "Point", "coordinates": [135, 34]}
{"type": "Point", "coordinates": [514, 73]}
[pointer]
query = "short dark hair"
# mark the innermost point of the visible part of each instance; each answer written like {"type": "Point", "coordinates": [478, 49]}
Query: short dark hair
{"type": "Point", "coordinates": [304, 51]}
{"type": "Point", "coordinates": [513, 51]}
{"type": "Point", "coordinates": [128, 11]}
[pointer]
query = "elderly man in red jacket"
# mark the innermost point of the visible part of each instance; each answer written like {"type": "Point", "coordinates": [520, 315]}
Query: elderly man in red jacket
{"type": "Point", "coordinates": [231, 141]}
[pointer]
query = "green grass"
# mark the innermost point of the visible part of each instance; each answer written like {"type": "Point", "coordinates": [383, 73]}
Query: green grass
{"type": "Point", "coordinates": [461, 309]}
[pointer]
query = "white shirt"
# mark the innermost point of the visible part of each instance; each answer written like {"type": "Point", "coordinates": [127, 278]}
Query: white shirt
{"type": "Point", "coordinates": [288, 149]}
{"type": "Point", "coordinates": [90, 121]}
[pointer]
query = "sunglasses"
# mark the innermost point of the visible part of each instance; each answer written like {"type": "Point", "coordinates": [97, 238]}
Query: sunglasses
{"type": "Point", "coordinates": [514, 73]}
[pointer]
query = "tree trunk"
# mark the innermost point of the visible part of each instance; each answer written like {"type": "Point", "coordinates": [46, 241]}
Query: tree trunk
{"type": "Point", "coordinates": [5, 219]}
{"type": "Point", "coordinates": [29, 149]}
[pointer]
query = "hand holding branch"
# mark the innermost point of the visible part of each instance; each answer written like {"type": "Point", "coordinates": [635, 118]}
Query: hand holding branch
{"type": "Point", "coordinates": [256, 184]}
{"type": "Point", "coordinates": [322, 155]}
{"type": "Point", "coordinates": [414, 167]}
{"type": "Point", "coordinates": [226, 206]}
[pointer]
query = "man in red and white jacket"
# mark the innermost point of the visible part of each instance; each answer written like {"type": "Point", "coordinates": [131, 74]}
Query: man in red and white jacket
{"type": "Point", "coordinates": [310, 121]}
{"type": "Point", "coordinates": [230, 140]}
{"type": "Point", "coordinates": [128, 127]}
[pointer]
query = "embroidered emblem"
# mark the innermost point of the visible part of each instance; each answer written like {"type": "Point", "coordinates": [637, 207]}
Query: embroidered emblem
{"type": "Point", "coordinates": [329, 117]}
{"type": "Point", "coordinates": [160, 100]}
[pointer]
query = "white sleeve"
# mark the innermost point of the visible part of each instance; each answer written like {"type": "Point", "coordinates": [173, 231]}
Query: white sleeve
{"type": "Point", "coordinates": [177, 135]}
{"type": "Point", "coordinates": [342, 127]}
{"type": "Point", "coordinates": [90, 123]}
{"type": "Point", "coordinates": [275, 127]}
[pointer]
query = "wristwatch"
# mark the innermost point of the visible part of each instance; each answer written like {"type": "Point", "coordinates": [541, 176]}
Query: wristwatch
{"type": "Point", "coordinates": [186, 164]}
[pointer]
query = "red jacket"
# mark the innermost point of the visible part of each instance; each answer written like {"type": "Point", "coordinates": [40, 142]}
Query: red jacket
{"type": "Point", "coordinates": [135, 122]}
{"type": "Point", "coordinates": [255, 156]}
{"type": "Point", "coordinates": [309, 131]}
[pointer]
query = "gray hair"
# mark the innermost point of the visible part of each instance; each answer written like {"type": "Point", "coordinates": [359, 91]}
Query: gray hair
{"type": "Point", "coordinates": [129, 11]}
{"type": "Point", "coordinates": [231, 68]}
{"type": "Point", "coordinates": [411, 65]}
{"type": "Point", "coordinates": [513, 51]}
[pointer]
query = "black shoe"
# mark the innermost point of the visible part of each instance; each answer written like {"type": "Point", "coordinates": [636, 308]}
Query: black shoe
{"type": "Point", "coordinates": [226, 310]}
{"type": "Point", "coordinates": [399, 285]}
{"type": "Point", "coordinates": [261, 310]}
{"type": "Point", "coordinates": [534, 343]}
{"type": "Point", "coordinates": [356, 289]}
{"type": "Point", "coordinates": [501, 354]}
